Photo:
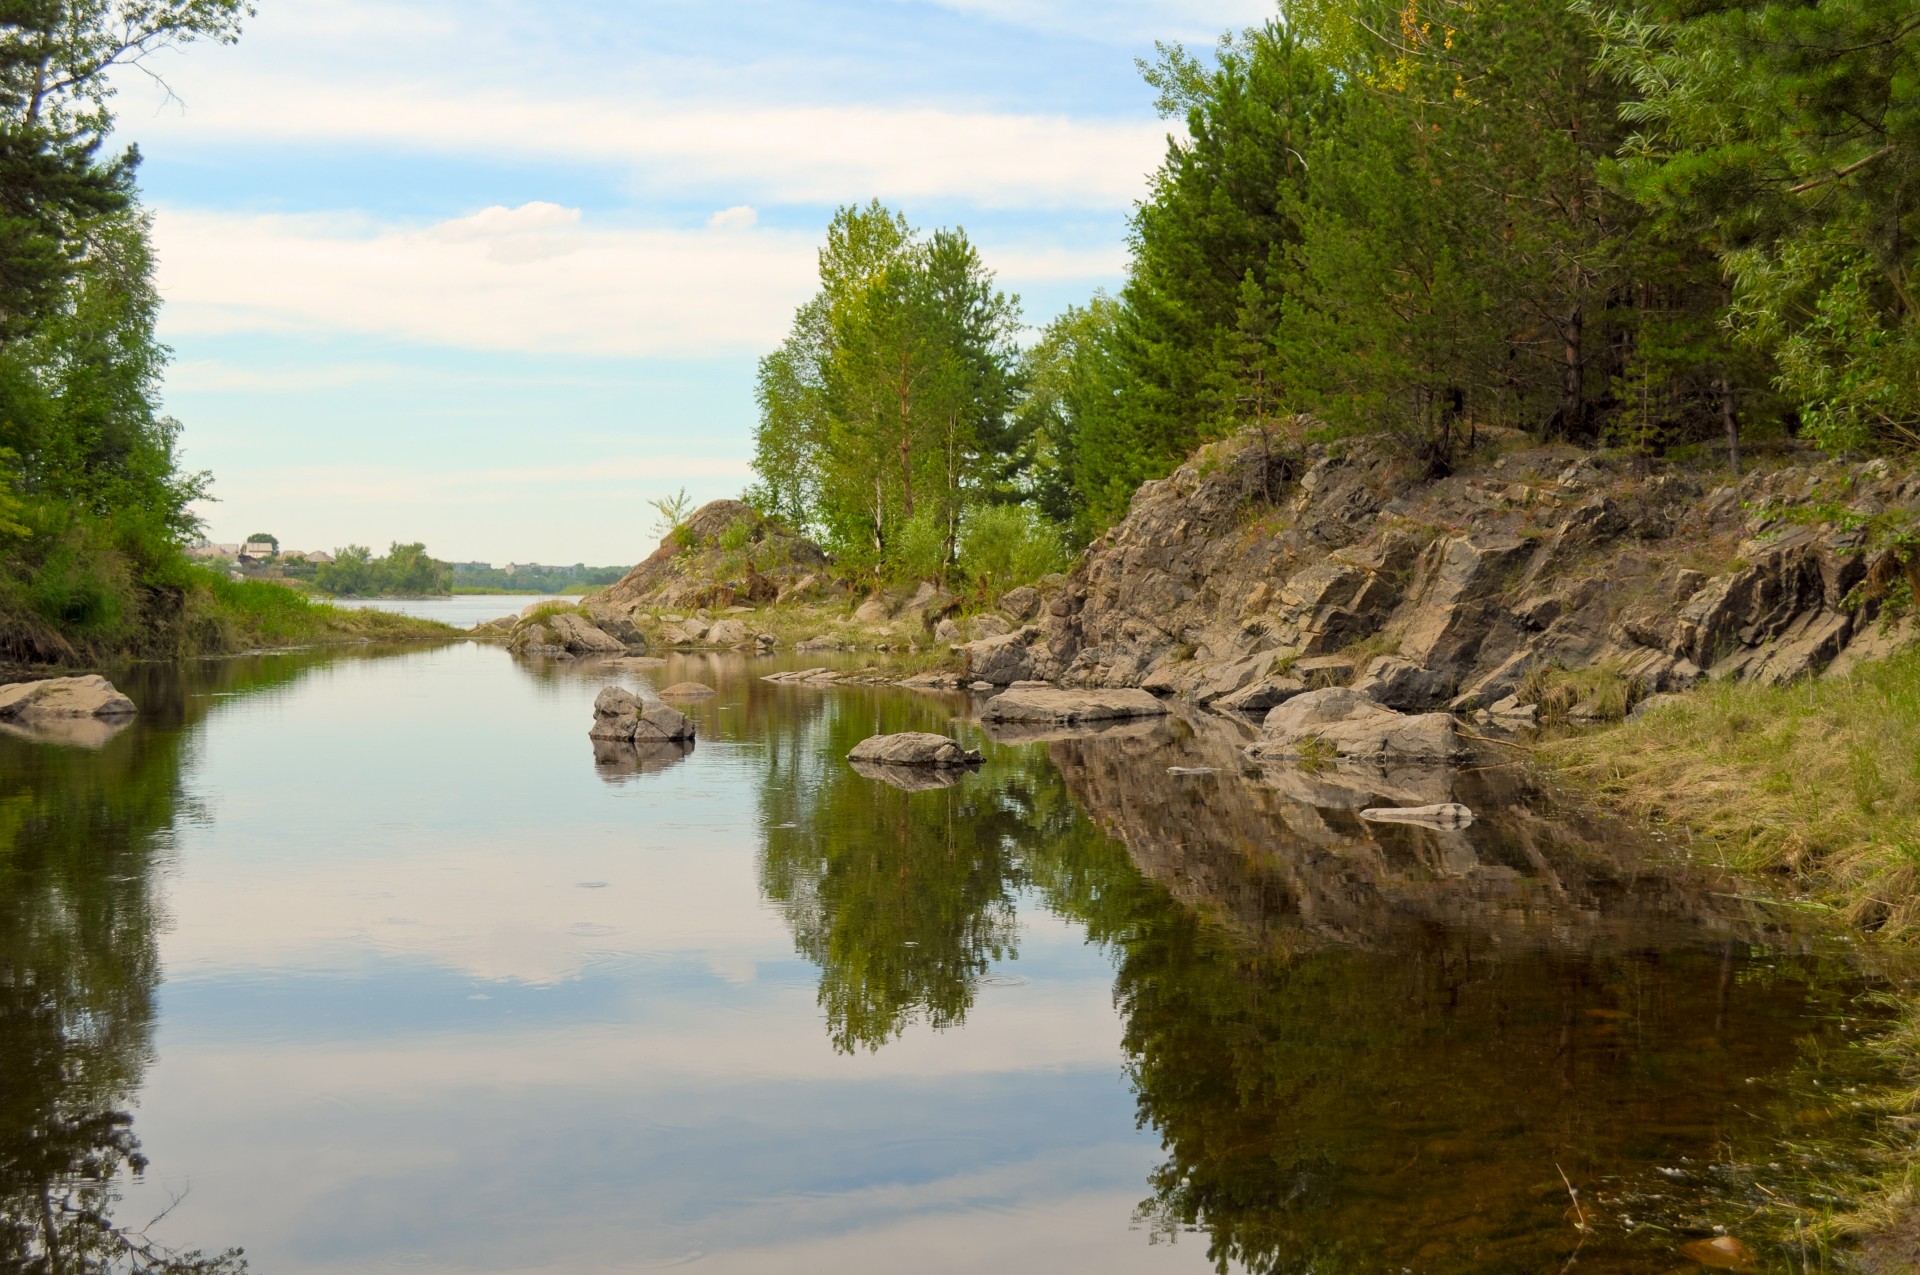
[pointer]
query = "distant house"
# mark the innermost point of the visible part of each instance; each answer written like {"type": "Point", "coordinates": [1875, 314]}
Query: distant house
{"type": "Point", "coordinates": [317, 557]}
{"type": "Point", "coordinates": [259, 550]}
{"type": "Point", "coordinates": [215, 553]}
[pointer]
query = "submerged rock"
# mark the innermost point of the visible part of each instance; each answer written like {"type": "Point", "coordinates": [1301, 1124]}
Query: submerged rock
{"type": "Point", "coordinates": [1353, 725]}
{"type": "Point", "coordinates": [687, 690]}
{"type": "Point", "coordinates": [621, 715]}
{"type": "Point", "coordinates": [1051, 706]}
{"type": "Point", "coordinates": [913, 748]}
{"type": "Point", "coordinates": [1446, 815]}
{"type": "Point", "coordinates": [54, 698]}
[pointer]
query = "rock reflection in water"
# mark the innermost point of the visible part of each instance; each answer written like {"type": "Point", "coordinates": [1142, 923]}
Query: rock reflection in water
{"type": "Point", "coordinates": [620, 761]}
{"type": "Point", "coordinates": [1376, 1047]}
{"type": "Point", "coordinates": [910, 778]}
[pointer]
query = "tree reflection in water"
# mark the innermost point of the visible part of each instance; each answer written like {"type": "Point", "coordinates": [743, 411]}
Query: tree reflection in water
{"type": "Point", "coordinates": [1404, 1096]}
{"type": "Point", "coordinates": [83, 835]}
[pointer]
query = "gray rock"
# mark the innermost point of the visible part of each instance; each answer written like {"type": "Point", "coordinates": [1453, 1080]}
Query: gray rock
{"type": "Point", "coordinates": [727, 633]}
{"type": "Point", "coordinates": [581, 637]}
{"type": "Point", "coordinates": [1021, 604]}
{"type": "Point", "coordinates": [1050, 706]}
{"type": "Point", "coordinates": [1446, 815]}
{"type": "Point", "coordinates": [873, 611]}
{"type": "Point", "coordinates": [1353, 725]}
{"type": "Point", "coordinates": [621, 715]}
{"type": "Point", "coordinates": [946, 631]}
{"type": "Point", "coordinates": [1003, 660]}
{"type": "Point", "coordinates": [1404, 685]}
{"type": "Point", "coordinates": [988, 626]}
{"type": "Point", "coordinates": [1265, 694]}
{"type": "Point", "coordinates": [53, 698]}
{"type": "Point", "coordinates": [823, 642]}
{"type": "Point", "coordinates": [913, 748]}
{"type": "Point", "coordinates": [615, 624]}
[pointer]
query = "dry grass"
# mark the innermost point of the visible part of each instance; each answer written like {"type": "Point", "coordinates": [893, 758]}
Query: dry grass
{"type": "Point", "coordinates": [1819, 781]}
{"type": "Point", "coordinates": [1601, 692]}
{"type": "Point", "coordinates": [1821, 778]}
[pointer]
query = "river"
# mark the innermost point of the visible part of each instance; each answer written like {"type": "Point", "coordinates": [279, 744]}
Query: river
{"type": "Point", "coordinates": [385, 967]}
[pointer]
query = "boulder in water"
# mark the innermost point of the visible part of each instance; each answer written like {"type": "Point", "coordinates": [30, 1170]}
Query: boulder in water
{"type": "Point", "coordinates": [62, 697]}
{"type": "Point", "coordinates": [621, 715]}
{"type": "Point", "coordinates": [913, 748]}
{"type": "Point", "coordinates": [1052, 706]}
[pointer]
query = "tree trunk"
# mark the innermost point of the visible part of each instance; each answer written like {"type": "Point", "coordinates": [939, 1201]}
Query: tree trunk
{"type": "Point", "coordinates": [1573, 387]}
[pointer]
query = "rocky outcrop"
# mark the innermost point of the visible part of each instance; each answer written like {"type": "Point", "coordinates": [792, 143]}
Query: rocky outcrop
{"type": "Point", "coordinates": [1449, 593]}
{"type": "Point", "coordinates": [623, 717]}
{"type": "Point", "coordinates": [725, 554]}
{"type": "Point", "coordinates": [564, 634]}
{"type": "Point", "coordinates": [1351, 724]}
{"type": "Point", "coordinates": [913, 748]}
{"type": "Point", "coordinates": [62, 698]}
{"type": "Point", "coordinates": [1047, 706]}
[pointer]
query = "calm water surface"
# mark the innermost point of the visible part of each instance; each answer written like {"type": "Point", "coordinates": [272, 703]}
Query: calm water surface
{"type": "Point", "coordinates": [463, 610]}
{"type": "Point", "coordinates": [386, 967]}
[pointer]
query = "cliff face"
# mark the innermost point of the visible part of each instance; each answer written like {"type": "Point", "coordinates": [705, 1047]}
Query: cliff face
{"type": "Point", "coordinates": [1235, 575]}
{"type": "Point", "coordinates": [724, 554]}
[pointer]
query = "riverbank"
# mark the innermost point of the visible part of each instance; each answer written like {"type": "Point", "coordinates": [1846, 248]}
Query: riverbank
{"type": "Point", "coordinates": [1811, 788]}
{"type": "Point", "coordinates": [198, 614]}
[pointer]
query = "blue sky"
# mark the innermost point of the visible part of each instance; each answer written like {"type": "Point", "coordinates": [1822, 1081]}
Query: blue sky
{"type": "Point", "coordinates": [493, 273]}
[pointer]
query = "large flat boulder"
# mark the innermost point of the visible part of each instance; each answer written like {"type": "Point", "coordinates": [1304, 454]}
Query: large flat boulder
{"type": "Point", "coordinates": [621, 715]}
{"type": "Point", "coordinates": [62, 697]}
{"type": "Point", "coordinates": [913, 748]}
{"type": "Point", "coordinates": [1352, 724]}
{"type": "Point", "coordinates": [1051, 706]}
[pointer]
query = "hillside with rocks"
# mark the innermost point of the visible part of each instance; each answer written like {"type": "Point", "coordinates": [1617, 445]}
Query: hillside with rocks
{"type": "Point", "coordinates": [1449, 594]}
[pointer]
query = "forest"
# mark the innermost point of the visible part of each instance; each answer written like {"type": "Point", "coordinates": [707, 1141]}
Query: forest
{"type": "Point", "coordinates": [1666, 227]}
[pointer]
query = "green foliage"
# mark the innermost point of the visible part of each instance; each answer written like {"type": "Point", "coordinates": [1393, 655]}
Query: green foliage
{"type": "Point", "coordinates": [1785, 137]}
{"type": "Point", "coordinates": [887, 410]}
{"type": "Point", "coordinates": [406, 571]}
{"type": "Point", "coordinates": [1005, 546]}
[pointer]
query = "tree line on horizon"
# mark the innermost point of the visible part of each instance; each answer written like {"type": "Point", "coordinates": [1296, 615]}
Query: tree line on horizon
{"type": "Point", "coordinates": [1662, 226]}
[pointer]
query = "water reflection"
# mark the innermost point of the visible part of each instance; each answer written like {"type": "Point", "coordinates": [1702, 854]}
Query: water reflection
{"type": "Point", "coordinates": [82, 835]}
{"type": "Point", "coordinates": [904, 899]}
{"type": "Point", "coordinates": [450, 967]}
{"type": "Point", "coordinates": [1364, 1047]}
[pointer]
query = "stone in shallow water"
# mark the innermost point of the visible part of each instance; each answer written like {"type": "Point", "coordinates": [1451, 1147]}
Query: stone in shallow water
{"type": "Point", "coordinates": [687, 690]}
{"type": "Point", "coordinates": [1449, 814]}
{"type": "Point", "coordinates": [621, 715]}
{"type": "Point", "coordinates": [913, 748]}
{"type": "Point", "coordinates": [57, 697]}
{"type": "Point", "coordinates": [1060, 707]}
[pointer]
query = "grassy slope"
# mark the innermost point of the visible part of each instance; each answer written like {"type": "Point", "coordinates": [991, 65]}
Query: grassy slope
{"type": "Point", "coordinates": [1818, 784]}
{"type": "Point", "coordinates": [259, 613]}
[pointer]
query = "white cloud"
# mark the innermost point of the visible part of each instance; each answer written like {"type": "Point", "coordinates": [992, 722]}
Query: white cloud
{"type": "Point", "coordinates": [779, 152]}
{"type": "Point", "coordinates": [740, 217]}
{"type": "Point", "coordinates": [530, 279]}
{"type": "Point", "coordinates": [534, 279]}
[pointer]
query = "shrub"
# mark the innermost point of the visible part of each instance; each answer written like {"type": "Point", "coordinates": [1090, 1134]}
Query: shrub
{"type": "Point", "coordinates": [1004, 546]}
